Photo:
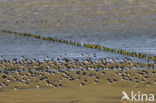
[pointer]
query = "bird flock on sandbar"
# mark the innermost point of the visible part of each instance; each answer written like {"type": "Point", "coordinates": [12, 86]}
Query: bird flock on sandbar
{"type": "Point", "coordinates": [65, 78]}
{"type": "Point", "coordinates": [50, 73]}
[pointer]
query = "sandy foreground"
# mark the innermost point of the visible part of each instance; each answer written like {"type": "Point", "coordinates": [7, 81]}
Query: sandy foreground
{"type": "Point", "coordinates": [89, 94]}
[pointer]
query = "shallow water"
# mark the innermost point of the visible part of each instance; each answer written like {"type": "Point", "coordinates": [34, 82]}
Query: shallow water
{"type": "Point", "coordinates": [74, 69]}
{"type": "Point", "coordinates": [13, 46]}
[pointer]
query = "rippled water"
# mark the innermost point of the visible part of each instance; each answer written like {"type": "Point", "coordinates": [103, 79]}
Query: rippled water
{"type": "Point", "coordinates": [16, 46]}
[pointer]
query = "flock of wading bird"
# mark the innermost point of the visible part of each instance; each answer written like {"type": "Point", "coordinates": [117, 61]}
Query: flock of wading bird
{"type": "Point", "coordinates": [65, 72]}
{"type": "Point", "coordinates": [48, 73]}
